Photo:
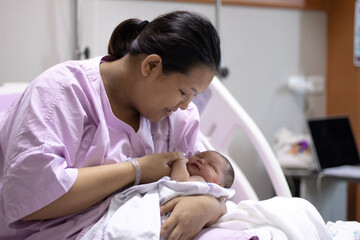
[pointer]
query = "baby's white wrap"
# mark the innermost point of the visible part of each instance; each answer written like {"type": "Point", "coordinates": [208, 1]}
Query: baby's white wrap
{"type": "Point", "coordinates": [135, 212]}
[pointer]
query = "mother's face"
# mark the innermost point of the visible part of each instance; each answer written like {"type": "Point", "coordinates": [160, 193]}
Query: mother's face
{"type": "Point", "coordinates": [168, 93]}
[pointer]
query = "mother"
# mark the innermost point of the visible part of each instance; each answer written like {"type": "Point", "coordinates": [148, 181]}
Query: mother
{"type": "Point", "coordinates": [67, 141]}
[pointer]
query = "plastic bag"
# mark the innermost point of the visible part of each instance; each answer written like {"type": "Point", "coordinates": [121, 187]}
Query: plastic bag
{"type": "Point", "coordinates": [293, 150]}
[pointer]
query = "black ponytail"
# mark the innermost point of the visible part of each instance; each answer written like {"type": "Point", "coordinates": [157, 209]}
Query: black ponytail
{"type": "Point", "coordinates": [122, 37]}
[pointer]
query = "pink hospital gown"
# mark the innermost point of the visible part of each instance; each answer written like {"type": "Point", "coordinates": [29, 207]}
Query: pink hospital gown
{"type": "Point", "coordinates": [62, 122]}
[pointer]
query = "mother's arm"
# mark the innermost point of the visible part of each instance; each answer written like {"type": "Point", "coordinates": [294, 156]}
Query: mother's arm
{"type": "Point", "coordinates": [93, 184]}
{"type": "Point", "coordinates": [189, 215]}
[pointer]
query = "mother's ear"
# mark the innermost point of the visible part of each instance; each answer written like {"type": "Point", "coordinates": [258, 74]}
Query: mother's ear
{"type": "Point", "coordinates": [152, 64]}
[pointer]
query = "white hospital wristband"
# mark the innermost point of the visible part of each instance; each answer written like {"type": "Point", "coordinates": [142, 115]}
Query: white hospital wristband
{"type": "Point", "coordinates": [138, 172]}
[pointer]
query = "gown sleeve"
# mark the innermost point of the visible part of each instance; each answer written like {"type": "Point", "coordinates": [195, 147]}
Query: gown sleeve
{"type": "Point", "coordinates": [40, 140]}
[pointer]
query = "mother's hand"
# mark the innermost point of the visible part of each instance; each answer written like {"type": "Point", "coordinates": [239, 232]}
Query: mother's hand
{"type": "Point", "coordinates": [189, 215]}
{"type": "Point", "coordinates": [157, 165]}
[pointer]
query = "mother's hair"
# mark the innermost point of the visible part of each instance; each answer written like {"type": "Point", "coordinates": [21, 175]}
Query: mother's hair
{"type": "Point", "coordinates": [182, 39]}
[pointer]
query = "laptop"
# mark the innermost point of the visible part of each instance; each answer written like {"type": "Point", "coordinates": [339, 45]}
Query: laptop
{"type": "Point", "coordinates": [333, 147]}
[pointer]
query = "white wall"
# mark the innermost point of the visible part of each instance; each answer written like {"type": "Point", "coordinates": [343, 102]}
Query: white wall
{"type": "Point", "coordinates": [262, 47]}
{"type": "Point", "coordinates": [35, 35]}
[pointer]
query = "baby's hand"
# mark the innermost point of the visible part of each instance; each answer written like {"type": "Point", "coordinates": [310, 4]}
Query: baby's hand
{"type": "Point", "coordinates": [181, 161]}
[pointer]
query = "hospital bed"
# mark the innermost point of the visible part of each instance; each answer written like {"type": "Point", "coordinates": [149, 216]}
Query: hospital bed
{"type": "Point", "coordinates": [216, 132]}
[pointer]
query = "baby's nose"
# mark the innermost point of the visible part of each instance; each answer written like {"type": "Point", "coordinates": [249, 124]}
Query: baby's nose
{"type": "Point", "coordinates": [201, 161]}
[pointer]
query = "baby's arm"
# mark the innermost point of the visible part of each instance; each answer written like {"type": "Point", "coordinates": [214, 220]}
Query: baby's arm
{"type": "Point", "coordinates": [180, 173]}
{"type": "Point", "coordinates": [196, 178]}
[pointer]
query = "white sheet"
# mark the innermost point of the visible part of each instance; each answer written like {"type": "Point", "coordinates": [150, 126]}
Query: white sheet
{"type": "Point", "coordinates": [277, 218]}
{"type": "Point", "coordinates": [341, 230]}
{"type": "Point", "coordinates": [135, 212]}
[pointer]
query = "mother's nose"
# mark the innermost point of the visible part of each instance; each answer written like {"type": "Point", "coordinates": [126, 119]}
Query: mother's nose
{"type": "Point", "coordinates": [185, 103]}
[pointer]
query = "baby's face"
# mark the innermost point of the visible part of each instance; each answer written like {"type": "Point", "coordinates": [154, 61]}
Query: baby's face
{"type": "Point", "coordinates": [209, 165]}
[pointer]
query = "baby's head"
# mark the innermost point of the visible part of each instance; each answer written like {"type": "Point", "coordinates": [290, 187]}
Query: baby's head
{"type": "Point", "coordinates": [213, 167]}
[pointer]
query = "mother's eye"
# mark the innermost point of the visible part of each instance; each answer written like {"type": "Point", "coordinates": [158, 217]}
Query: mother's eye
{"type": "Point", "coordinates": [182, 92]}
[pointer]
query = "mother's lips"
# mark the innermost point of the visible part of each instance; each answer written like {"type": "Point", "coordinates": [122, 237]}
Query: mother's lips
{"type": "Point", "coordinates": [168, 111]}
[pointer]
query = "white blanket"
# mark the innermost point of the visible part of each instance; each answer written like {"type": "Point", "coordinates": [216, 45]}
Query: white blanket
{"type": "Point", "coordinates": [277, 218]}
{"type": "Point", "coordinates": [135, 212]}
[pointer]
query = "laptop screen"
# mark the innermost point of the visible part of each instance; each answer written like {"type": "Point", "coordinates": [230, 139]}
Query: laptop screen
{"type": "Point", "coordinates": [333, 141]}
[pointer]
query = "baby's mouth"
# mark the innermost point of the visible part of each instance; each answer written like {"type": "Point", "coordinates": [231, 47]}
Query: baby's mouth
{"type": "Point", "coordinates": [195, 165]}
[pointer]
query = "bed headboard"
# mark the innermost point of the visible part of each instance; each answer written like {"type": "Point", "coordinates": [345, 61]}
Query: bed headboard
{"type": "Point", "coordinates": [220, 119]}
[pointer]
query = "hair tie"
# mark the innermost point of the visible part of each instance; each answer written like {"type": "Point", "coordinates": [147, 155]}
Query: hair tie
{"type": "Point", "coordinates": [142, 25]}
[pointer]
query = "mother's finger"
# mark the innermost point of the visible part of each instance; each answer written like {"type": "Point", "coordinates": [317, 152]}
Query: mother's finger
{"type": "Point", "coordinates": [167, 227]}
{"type": "Point", "coordinates": [178, 233]}
{"type": "Point", "coordinates": [168, 206]}
{"type": "Point", "coordinates": [174, 234]}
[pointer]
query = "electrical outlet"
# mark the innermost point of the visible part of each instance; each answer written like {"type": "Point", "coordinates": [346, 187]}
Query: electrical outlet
{"type": "Point", "coordinates": [310, 84]}
{"type": "Point", "coordinates": [298, 84]}
{"type": "Point", "coordinates": [317, 83]}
